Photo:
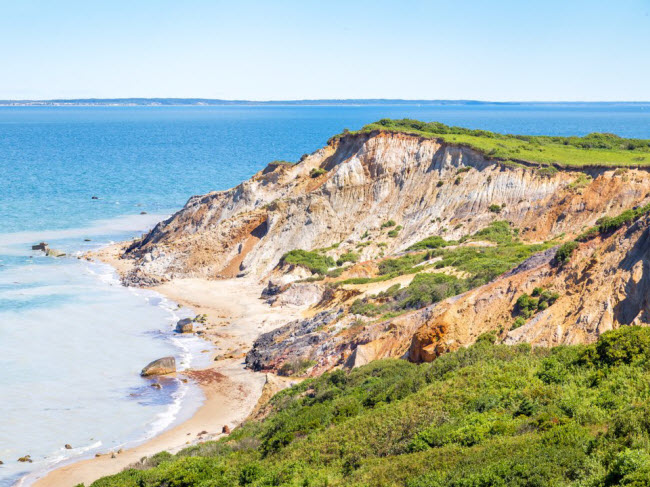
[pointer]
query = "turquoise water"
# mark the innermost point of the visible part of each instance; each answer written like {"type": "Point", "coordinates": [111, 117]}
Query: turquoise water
{"type": "Point", "coordinates": [72, 341]}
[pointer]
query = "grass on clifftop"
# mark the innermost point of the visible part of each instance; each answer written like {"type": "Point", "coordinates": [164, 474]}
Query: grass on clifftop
{"type": "Point", "coordinates": [485, 416]}
{"type": "Point", "coordinates": [593, 149]}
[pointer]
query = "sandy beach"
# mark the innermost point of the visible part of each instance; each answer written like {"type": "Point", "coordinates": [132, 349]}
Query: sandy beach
{"type": "Point", "coordinates": [235, 317]}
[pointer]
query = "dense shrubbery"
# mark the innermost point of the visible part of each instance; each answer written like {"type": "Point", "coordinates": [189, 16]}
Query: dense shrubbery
{"type": "Point", "coordinates": [498, 232]}
{"type": "Point", "coordinates": [565, 251]}
{"type": "Point", "coordinates": [313, 261]}
{"type": "Point", "coordinates": [347, 257]}
{"type": "Point", "coordinates": [433, 242]}
{"type": "Point", "coordinates": [488, 415]}
{"type": "Point", "coordinates": [541, 299]}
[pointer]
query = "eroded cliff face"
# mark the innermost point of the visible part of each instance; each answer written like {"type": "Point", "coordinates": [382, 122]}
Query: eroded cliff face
{"type": "Point", "coordinates": [427, 187]}
{"type": "Point", "coordinates": [605, 285]}
{"type": "Point", "coordinates": [337, 200]}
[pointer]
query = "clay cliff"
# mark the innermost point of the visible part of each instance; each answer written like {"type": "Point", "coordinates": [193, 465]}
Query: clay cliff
{"type": "Point", "coordinates": [338, 201]}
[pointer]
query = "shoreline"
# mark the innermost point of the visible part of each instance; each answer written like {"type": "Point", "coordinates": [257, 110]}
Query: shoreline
{"type": "Point", "coordinates": [236, 316]}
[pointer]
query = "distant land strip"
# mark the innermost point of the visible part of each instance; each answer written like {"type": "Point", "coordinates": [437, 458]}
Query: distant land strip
{"type": "Point", "coordinates": [326, 102]}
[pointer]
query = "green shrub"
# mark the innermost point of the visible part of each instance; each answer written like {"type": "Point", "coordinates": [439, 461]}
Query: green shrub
{"type": "Point", "coordinates": [387, 224]}
{"type": "Point", "coordinates": [495, 208]}
{"type": "Point", "coordinates": [565, 251]}
{"type": "Point", "coordinates": [394, 232]}
{"type": "Point", "coordinates": [316, 172]}
{"type": "Point", "coordinates": [498, 232]}
{"type": "Point", "coordinates": [313, 261]}
{"type": "Point", "coordinates": [347, 257]}
{"type": "Point", "coordinates": [627, 345]}
{"type": "Point", "coordinates": [485, 415]}
{"type": "Point", "coordinates": [433, 242]}
{"type": "Point", "coordinates": [541, 299]}
{"type": "Point", "coordinates": [519, 322]}
{"type": "Point", "coordinates": [429, 288]}
{"type": "Point", "coordinates": [439, 183]}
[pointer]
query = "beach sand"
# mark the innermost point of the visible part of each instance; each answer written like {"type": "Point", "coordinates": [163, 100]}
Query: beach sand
{"type": "Point", "coordinates": [235, 317]}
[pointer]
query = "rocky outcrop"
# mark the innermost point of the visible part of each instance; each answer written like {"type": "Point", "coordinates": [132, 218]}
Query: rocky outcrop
{"type": "Point", "coordinates": [294, 341]}
{"type": "Point", "coordinates": [162, 366]}
{"type": "Point", "coordinates": [426, 186]}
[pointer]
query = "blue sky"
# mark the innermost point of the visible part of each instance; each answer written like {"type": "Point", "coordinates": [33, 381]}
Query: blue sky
{"type": "Point", "coordinates": [280, 49]}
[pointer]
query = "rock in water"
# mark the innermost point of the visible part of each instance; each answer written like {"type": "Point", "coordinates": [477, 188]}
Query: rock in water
{"type": "Point", "coordinates": [41, 246]}
{"type": "Point", "coordinates": [54, 253]}
{"type": "Point", "coordinates": [26, 458]}
{"type": "Point", "coordinates": [94, 198]}
{"type": "Point", "coordinates": [184, 326]}
{"type": "Point", "coordinates": [68, 447]}
{"type": "Point", "coordinates": [165, 365]}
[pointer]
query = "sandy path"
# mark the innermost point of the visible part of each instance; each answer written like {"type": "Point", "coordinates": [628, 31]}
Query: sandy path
{"type": "Point", "coordinates": [235, 317]}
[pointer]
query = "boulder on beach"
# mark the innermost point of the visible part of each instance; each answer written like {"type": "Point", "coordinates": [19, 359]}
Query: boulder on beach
{"type": "Point", "coordinates": [185, 326]}
{"type": "Point", "coordinates": [41, 246]}
{"type": "Point", "coordinates": [225, 430]}
{"type": "Point", "coordinates": [162, 366]}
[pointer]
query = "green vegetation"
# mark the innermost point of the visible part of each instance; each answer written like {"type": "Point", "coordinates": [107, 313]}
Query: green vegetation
{"type": "Point", "coordinates": [606, 224]}
{"type": "Point", "coordinates": [313, 261]}
{"type": "Point", "coordinates": [347, 257]}
{"type": "Point", "coordinates": [541, 299]}
{"type": "Point", "coordinates": [592, 149]}
{"type": "Point", "coordinates": [389, 223]}
{"type": "Point", "coordinates": [499, 232]}
{"type": "Point", "coordinates": [316, 172]}
{"type": "Point", "coordinates": [483, 416]}
{"type": "Point", "coordinates": [486, 263]}
{"type": "Point", "coordinates": [433, 242]}
{"type": "Point", "coordinates": [395, 231]}
{"type": "Point", "coordinates": [519, 321]}
{"type": "Point", "coordinates": [580, 182]}
{"type": "Point", "coordinates": [425, 289]}
{"type": "Point", "coordinates": [482, 264]}
{"type": "Point", "coordinates": [296, 367]}
{"type": "Point", "coordinates": [495, 208]}
{"type": "Point", "coordinates": [565, 251]}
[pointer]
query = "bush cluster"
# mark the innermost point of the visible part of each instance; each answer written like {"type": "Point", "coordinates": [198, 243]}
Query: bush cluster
{"type": "Point", "coordinates": [314, 261]}
{"type": "Point", "coordinates": [540, 299]}
{"type": "Point", "coordinates": [486, 415]}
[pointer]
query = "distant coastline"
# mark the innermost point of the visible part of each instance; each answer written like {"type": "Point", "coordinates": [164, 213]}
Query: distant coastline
{"type": "Point", "coordinates": [323, 102]}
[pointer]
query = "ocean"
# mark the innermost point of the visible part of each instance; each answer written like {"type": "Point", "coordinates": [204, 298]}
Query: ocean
{"type": "Point", "coordinates": [72, 340]}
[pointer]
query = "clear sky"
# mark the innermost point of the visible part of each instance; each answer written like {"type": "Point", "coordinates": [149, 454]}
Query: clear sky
{"type": "Point", "coordinates": [281, 49]}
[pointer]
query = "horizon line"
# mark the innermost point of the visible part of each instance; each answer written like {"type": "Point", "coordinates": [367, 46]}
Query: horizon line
{"type": "Point", "coordinates": [196, 101]}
